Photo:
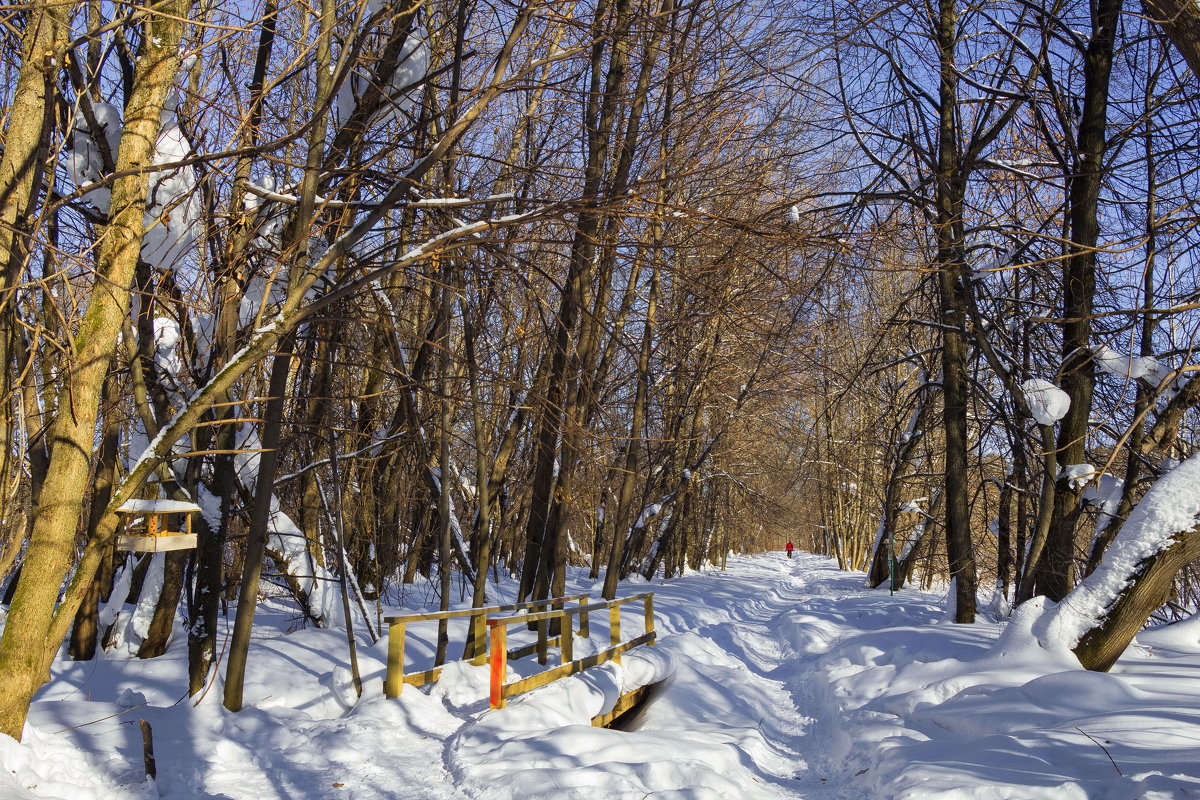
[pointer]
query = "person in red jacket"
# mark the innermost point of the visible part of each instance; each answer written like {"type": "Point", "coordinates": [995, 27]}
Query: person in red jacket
{"type": "Point", "coordinates": [789, 549]}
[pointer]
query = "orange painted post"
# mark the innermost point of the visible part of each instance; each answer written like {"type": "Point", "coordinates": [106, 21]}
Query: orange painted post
{"type": "Point", "coordinates": [649, 612]}
{"type": "Point", "coordinates": [499, 660]}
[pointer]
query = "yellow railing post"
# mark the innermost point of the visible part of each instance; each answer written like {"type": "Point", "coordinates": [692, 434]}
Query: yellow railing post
{"type": "Point", "coordinates": [649, 612]}
{"type": "Point", "coordinates": [543, 636]}
{"type": "Point", "coordinates": [614, 626]}
{"type": "Point", "coordinates": [479, 637]}
{"type": "Point", "coordinates": [566, 640]}
{"type": "Point", "coordinates": [394, 682]}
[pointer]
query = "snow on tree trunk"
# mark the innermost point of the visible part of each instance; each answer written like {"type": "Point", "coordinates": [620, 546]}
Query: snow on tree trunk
{"type": "Point", "coordinates": [315, 586]}
{"type": "Point", "coordinates": [1102, 614]}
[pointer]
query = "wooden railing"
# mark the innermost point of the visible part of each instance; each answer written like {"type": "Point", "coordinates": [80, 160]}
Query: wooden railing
{"type": "Point", "coordinates": [498, 634]}
{"type": "Point", "coordinates": [396, 678]}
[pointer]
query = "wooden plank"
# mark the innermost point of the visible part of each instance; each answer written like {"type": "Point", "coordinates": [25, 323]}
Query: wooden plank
{"type": "Point", "coordinates": [543, 643]}
{"type": "Point", "coordinates": [576, 610]}
{"type": "Point", "coordinates": [529, 649]}
{"type": "Point", "coordinates": [467, 612]}
{"type": "Point", "coordinates": [156, 544]}
{"type": "Point", "coordinates": [549, 676]}
{"type": "Point", "coordinates": [614, 626]}
{"type": "Point", "coordinates": [476, 646]}
{"type": "Point", "coordinates": [624, 703]}
{"type": "Point", "coordinates": [566, 639]}
{"type": "Point", "coordinates": [422, 678]}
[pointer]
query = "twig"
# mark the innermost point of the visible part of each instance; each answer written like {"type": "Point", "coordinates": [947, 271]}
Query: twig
{"type": "Point", "coordinates": [1102, 747]}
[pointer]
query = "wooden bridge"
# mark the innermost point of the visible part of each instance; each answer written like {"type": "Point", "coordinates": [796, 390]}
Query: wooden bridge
{"type": "Point", "coordinates": [554, 622]}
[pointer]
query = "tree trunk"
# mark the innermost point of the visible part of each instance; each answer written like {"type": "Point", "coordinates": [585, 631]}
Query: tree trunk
{"type": "Point", "coordinates": [1180, 21]}
{"type": "Point", "coordinates": [28, 644]}
{"type": "Point", "coordinates": [951, 266]}
{"type": "Point", "coordinates": [882, 559]}
{"type": "Point", "coordinates": [621, 514]}
{"type": "Point", "coordinates": [260, 514]}
{"type": "Point", "coordinates": [83, 633]}
{"type": "Point", "coordinates": [1057, 571]}
{"type": "Point", "coordinates": [552, 503]}
{"type": "Point", "coordinates": [159, 633]}
{"type": "Point", "coordinates": [1149, 588]}
{"type": "Point", "coordinates": [30, 121]}
{"type": "Point", "coordinates": [1004, 536]}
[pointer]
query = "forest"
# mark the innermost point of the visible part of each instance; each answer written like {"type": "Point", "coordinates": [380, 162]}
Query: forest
{"type": "Point", "coordinates": [417, 291]}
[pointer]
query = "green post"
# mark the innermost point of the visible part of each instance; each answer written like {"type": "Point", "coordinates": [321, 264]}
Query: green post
{"type": "Point", "coordinates": [892, 560]}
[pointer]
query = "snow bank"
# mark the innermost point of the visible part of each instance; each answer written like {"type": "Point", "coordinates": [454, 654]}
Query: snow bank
{"type": "Point", "coordinates": [918, 709]}
{"type": "Point", "coordinates": [49, 768]}
{"type": "Point", "coordinates": [543, 745]}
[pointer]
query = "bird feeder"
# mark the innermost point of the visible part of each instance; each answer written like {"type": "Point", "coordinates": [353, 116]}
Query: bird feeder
{"type": "Point", "coordinates": [147, 526]}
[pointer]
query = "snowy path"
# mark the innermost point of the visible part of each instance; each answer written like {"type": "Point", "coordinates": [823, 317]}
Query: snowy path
{"type": "Point", "coordinates": [728, 724]}
{"type": "Point", "coordinates": [790, 680]}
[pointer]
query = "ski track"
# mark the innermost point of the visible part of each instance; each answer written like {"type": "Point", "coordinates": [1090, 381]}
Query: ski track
{"type": "Point", "coordinates": [738, 686]}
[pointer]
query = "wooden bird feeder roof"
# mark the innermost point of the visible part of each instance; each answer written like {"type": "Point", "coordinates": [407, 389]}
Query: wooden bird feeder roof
{"type": "Point", "coordinates": [136, 506]}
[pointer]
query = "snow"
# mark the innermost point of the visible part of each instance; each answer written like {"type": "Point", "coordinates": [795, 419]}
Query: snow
{"type": "Point", "coordinates": [272, 217]}
{"type": "Point", "coordinates": [166, 344]}
{"type": "Point", "coordinates": [649, 511]}
{"type": "Point", "coordinates": [1103, 490]}
{"type": "Point", "coordinates": [1077, 475]}
{"type": "Point", "coordinates": [173, 205]}
{"type": "Point", "coordinates": [286, 538]}
{"type": "Point", "coordinates": [143, 613]}
{"type": "Point", "coordinates": [780, 679]}
{"type": "Point", "coordinates": [120, 591]}
{"type": "Point", "coordinates": [403, 90]}
{"type": "Point", "coordinates": [158, 506]}
{"type": "Point", "coordinates": [1047, 403]}
{"type": "Point", "coordinates": [1122, 366]}
{"type": "Point", "coordinates": [85, 164]}
{"type": "Point", "coordinates": [1171, 506]}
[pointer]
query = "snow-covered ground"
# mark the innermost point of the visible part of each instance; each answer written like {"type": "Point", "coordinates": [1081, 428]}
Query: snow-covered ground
{"type": "Point", "coordinates": [788, 679]}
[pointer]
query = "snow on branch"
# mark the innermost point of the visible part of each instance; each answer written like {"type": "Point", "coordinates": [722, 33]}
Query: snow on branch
{"type": "Point", "coordinates": [1047, 403]}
